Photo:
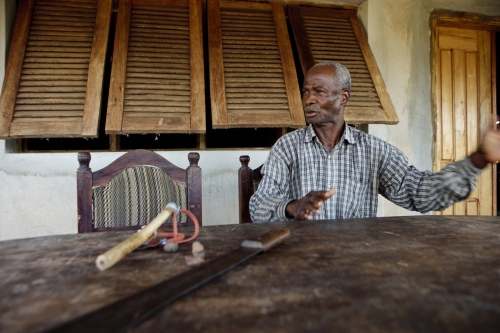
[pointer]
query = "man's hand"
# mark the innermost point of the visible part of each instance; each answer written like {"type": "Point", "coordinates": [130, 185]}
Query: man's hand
{"type": "Point", "coordinates": [491, 146]}
{"type": "Point", "coordinates": [489, 149]}
{"type": "Point", "coordinates": [304, 208]}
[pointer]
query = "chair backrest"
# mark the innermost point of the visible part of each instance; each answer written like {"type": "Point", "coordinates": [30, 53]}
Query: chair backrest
{"type": "Point", "coordinates": [133, 189]}
{"type": "Point", "coordinates": [248, 182]}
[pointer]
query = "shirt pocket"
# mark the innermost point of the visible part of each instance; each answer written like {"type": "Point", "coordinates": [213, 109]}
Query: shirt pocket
{"type": "Point", "coordinates": [352, 197]}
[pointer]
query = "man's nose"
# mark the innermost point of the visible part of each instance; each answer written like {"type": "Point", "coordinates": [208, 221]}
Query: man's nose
{"type": "Point", "coordinates": [307, 99]}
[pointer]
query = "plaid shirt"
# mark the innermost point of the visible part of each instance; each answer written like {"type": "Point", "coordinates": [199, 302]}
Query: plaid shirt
{"type": "Point", "coordinates": [359, 168]}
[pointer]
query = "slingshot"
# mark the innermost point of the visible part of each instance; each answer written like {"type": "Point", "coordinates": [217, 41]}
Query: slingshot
{"type": "Point", "coordinates": [149, 237]}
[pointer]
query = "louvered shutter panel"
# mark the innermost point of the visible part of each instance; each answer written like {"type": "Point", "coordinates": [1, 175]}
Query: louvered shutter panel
{"type": "Point", "coordinates": [53, 80]}
{"type": "Point", "coordinates": [326, 34]}
{"type": "Point", "coordinates": [157, 79]}
{"type": "Point", "coordinates": [253, 82]}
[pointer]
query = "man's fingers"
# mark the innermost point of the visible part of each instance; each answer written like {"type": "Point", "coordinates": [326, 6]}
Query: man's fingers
{"type": "Point", "coordinates": [318, 200]}
{"type": "Point", "coordinates": [306, 215]}
{"type": "Point", "coordinates": [310, 204]}
{"type": "Point", "coordinates": [329, 193]}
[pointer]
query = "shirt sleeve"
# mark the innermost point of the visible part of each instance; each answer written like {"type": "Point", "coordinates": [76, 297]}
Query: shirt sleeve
{"type": "Point", "coordinates": [425, 191]}
{"type": "Point", "coordinates": [269, 202]}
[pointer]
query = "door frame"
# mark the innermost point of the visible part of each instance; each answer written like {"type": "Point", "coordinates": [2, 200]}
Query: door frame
{"type": "Point", "coordinates": [446, 18]}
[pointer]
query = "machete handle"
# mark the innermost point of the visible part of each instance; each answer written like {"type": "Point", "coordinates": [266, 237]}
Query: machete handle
{"type": "Point", "coordinates": [268, 240]}
{"type": "Point", "coordinates": [115, 254]}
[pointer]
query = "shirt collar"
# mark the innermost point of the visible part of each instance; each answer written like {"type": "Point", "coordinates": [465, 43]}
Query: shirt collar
{"type": "Point", "coordinates": [310, 134]}
{"type": "Point", "coordinates": [348, 134]}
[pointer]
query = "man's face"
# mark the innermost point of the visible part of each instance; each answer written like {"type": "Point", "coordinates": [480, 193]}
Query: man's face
{"type": "Point", "coordinates": [322, 98]}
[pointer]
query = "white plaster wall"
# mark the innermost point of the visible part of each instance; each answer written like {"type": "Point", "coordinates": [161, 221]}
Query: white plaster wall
{"type": "Point", "coordinates": [399, 35]}
{"type": "Point", "coordinates": [38, 195]}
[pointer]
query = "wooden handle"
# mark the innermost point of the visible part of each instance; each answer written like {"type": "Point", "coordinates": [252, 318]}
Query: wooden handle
{"type": "Point", "coordinates": [268, 240]}
{"type": "Point", "coordinates": [115, 254]}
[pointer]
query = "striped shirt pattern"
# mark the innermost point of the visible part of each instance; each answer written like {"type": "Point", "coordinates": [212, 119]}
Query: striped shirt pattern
{"type": "Point", "coordinates": [359, 167]}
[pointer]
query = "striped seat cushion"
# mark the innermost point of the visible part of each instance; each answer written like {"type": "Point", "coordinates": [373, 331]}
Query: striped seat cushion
{"type": "Point", "coordinates": [135, 197]}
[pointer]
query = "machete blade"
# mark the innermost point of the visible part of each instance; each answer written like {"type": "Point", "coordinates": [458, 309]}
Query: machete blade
{"type": "Point", "coordinates": [129, 312]}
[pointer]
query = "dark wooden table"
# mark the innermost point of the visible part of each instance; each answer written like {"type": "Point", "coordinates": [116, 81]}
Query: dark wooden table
{"type": "Point", "coordinates": [399, 274]}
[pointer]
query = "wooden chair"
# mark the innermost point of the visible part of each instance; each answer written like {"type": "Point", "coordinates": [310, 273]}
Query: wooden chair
{"type": "Point", "coordinates": [132, 190]}
{"type": "Point", "coordinates": [248, 182]}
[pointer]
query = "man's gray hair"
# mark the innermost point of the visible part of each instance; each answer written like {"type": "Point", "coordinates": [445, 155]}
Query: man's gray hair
{"type": "Point", "coordinates": [343, 75]}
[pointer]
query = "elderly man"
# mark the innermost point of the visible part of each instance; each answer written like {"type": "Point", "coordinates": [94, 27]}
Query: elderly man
{"type": "Point", "coordinates": [329, 170]}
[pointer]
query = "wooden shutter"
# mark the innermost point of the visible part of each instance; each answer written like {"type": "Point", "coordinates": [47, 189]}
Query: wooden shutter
{"type": "Point", "coordinates": [253, 82]}
{"type": "Point", "coordinates": [157, 78]}
{"type": "Point", "coordinates": [53, 79]}
{"type": "Point", "coordinates": [326, 34]}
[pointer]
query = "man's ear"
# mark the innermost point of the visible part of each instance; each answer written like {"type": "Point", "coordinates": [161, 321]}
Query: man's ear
{"type": "Point", "coordinates": [344, 96]}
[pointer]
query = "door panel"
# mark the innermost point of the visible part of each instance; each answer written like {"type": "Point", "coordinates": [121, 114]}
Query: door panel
{"type": "Point", "coordinates": [464, 107]}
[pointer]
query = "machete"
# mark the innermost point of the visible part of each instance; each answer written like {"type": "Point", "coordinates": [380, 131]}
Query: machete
{"type": "Point", "coordinates": [129, 312]}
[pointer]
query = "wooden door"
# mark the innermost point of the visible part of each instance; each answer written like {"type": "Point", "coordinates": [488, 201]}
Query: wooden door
{"type": "Point", "coordinates": [464, 105]}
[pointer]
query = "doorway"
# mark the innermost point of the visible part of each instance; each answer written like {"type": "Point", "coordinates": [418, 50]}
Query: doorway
{"type": "Point", "coordinates": [465, 90]}
{"type": "Point", "coordinates": [497, 62]}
